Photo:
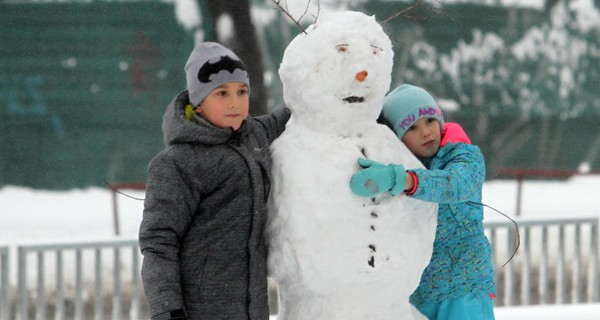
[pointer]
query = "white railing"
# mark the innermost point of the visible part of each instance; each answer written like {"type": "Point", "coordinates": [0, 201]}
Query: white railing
{"type": "Point", "coordinates": [57, 272]}
{"type": "Point", "coordinates": [557, 261]}
{"type": "Point", "coordinates": [4, 283]}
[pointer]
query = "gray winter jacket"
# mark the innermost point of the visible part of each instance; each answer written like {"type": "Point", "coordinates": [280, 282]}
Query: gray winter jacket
{"type": "Point", "coordinates": [204, 213]}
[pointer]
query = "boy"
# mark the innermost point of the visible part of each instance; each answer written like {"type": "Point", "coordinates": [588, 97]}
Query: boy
{"type": "Point", "coordinates": [205, 208]}
{"type": "Point", "coordinates": [458, 283]}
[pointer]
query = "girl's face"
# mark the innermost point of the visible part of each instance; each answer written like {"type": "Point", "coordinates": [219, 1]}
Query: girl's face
{"type": "Point", "coordinates": [423, 137]}
{"type": "Point", "coordinates": [226, 106]}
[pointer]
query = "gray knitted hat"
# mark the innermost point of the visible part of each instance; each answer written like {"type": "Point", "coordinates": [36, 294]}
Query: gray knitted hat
{"type": "Point", "coordinates": [209, 66]}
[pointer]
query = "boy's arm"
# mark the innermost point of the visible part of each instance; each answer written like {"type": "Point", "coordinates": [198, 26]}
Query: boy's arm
{"type": "Point", "coordinates": [167, 215]}
{"type": "Point", "coordinates": [274, 123]}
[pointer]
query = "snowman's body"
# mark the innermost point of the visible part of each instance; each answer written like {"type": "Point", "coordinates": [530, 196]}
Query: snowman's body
{"type": "Point", "coordinates": [333, 254]}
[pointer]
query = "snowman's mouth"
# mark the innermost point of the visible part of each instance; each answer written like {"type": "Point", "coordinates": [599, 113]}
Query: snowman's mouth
{"type": "Point", "coordinates": [354, 99]}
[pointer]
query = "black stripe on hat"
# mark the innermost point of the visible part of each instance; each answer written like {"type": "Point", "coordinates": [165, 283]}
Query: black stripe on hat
{"type": "Point", "coordinates": [224, 63]}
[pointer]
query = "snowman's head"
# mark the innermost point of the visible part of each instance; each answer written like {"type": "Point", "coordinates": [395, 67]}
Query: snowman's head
{"type": "Point", "coordinates": [335, 76]}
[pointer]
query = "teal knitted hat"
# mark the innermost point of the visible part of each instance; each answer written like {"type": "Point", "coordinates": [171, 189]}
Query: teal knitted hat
{"type": "Point", "coordinates": [406, 104]}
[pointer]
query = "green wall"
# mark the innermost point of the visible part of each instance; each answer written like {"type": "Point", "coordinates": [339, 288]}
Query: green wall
{"type": "Point", "coordinates": [83, 84]}
{"type": "Point", "coordinates": [82, 90]}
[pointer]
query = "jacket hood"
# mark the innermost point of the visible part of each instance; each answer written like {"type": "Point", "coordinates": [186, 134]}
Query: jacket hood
{"type": "Point", "coordinates": [453, 132]}
{"type": "Point", "coordinates": [178, 129]}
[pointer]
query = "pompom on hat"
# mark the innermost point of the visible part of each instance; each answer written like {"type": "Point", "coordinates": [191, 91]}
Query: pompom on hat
{"type": "Point", "coordinates": [406, 104]}
{"type": "Point", "coordinates": [209, 66]}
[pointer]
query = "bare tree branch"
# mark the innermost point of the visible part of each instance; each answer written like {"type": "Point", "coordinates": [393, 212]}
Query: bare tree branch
{"type": "Point", "coordinates": [408, 14]}
{"type": "Point", "coordinates": [405, 12]}
{"type": "Point", "coordinates": [286, 11]}
{"type": "Point", "coordinates": [318, 10]}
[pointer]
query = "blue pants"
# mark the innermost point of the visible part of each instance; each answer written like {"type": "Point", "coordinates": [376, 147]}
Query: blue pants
{"type": "Point", "coordinates": [474, 306]}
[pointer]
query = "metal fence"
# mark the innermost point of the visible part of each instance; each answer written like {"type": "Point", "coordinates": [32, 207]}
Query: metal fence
{"type": "Point", "coordinates": [556, 262]}
{"type": "Point", "coordinates": [83, 280]}
{"type": "Point", "coordinates": [4, 283]}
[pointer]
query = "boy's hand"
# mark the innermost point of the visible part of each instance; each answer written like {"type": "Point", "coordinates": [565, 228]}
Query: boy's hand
{"type": "Point", "coordinates": [377, 178]}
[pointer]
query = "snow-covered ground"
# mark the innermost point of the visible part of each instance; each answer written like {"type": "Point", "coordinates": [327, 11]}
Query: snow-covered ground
{"type": "Point", "coordinates": [35, 216]}
{"type": "Point", "coordinates": [555, 312]}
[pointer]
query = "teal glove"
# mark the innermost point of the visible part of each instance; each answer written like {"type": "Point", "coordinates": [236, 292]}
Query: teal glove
{"type": "Point", "coordinates": [377, 178]}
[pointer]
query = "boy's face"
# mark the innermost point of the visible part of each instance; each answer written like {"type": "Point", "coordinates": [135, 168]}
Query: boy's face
{"type": "Point", "coordinates": [226, 106]}
{"type": "Point", "coordinates": [423, 137]}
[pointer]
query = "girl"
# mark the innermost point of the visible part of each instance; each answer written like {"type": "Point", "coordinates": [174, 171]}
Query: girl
{"type": "Point", "coordinates": [458, 283]}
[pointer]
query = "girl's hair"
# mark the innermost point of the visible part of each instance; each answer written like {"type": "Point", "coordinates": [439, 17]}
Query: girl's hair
{"type": "Point", "coordinates": [383, 120]}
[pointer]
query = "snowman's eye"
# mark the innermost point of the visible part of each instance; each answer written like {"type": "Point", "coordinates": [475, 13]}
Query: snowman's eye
{"type": "Point", "coordinates": [376, 49]}
{"type": "Point", "coordinates": [341, 48]}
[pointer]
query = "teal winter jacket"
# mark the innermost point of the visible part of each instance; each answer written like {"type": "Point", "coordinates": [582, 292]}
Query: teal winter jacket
{"type": "Point", "coordinates": [461, 260]}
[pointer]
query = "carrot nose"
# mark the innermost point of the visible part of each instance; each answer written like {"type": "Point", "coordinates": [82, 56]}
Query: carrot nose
{"type": "Point", "coordinates": [361, 76]}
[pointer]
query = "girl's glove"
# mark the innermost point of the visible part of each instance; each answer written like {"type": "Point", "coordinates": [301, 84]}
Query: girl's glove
{"type": "Point", "coordinates": [377, 178]}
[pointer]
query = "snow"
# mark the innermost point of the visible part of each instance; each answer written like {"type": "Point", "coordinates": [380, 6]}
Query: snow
{"type": "Point", "coordinates": [31, 216]}
{"type": "Point", "coordinates": [188, 14]}
{"type": "Point", "coordinates": [42, 216]}
{"type": "Point", "coordinates": [536, 4]}
{"type": "Point", "coordinates": [226, 30]}
{"type": "Point", "coordinates": [570, 198]}
{"type": "Point", "coordinates": [556, 312]}
{"type": "Point", "coordinates": [562, 312]}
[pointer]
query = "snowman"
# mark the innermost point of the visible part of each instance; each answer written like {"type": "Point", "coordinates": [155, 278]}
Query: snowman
{"type": "Point", "coordinates": [333, 254]}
